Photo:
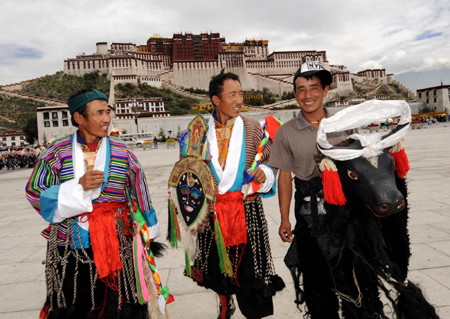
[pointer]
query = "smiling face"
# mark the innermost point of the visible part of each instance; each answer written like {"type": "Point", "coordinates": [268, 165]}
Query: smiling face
{"type": "Point", "coordinates": [191, 196]}
{"type": "Point", "coordinates": [310, 94]}
{"type": "Point", "coordinates": [229, 104]}
{"type": "Point", "coordinates": [95, 125]}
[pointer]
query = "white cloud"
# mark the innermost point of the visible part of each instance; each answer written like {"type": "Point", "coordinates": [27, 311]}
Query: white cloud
{"type": "Point", "coordinates": [369, 34]}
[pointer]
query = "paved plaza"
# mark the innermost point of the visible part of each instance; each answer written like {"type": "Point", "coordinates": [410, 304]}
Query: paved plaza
{"type": "Point", "coordinates": [22, 249]}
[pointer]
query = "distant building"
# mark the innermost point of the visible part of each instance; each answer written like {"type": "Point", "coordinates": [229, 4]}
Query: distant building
{"type": "Point", "coordinates": [372, 74]}
{"type": "Point", "coordinates": [205, 107]}
{"type": "Point", "coordinates": [248, 96]}
{"type": "Point", "coordinates": [436, 98]}
{"type": "Point", "coordinates": [53, 122]}
{"type": "Point", "coordinates": [341, 81]}
{"type": "Point", "coordinates": [147, 107]}
{"type": "Point", "coordinates": [190, 60]}
{"type": "Point", "coordinates": [12, 138]}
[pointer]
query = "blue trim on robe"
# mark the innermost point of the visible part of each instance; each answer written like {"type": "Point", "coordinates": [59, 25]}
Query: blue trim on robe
{"type": "Point", "coordinates": [150, 217]}
{"type": "Point", "coordinates": [272, 191]}
{"type": "Point", "coordinates": [49, 203]}
{"type": "Point", "coordinates": [84, 236]}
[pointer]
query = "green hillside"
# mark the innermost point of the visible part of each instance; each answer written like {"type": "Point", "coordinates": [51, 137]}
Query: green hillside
{"type": "Point", "coordinates": [15, 112]}
{"type": "Point", "coordinates": [175, 103]}
{"type": "Point", "coordinates": [60, 86]}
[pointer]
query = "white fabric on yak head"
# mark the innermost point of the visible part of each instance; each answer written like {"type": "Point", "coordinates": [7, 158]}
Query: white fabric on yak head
{"type": "Point", "coordinates": [356, 116]}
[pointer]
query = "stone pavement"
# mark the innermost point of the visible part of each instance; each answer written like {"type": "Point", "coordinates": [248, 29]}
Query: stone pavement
{"type": "Point", "coordinates": [22, 249]}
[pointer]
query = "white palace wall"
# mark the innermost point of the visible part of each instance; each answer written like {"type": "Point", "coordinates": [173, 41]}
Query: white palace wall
{"type": "Point", "coordinates": [199, 74]}
{"type": "Point", "coordinates": [194, 74]}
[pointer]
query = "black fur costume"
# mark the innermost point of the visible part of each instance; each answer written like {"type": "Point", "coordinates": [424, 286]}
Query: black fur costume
{"type": "Point", "coordinates": [355, 255]}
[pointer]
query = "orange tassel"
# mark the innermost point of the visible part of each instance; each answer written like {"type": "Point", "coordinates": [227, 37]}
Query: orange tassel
{"type": "Point", "coordinates": [332, 187]}
{"type": "Point", "coordinates": [175, 221]}
{"type": "Point", "coordinates": [401, 160]}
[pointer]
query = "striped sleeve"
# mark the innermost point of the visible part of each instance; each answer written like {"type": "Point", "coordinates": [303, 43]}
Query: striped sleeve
{"type": "Point", "coordinates": [42, 187]}
{"type": "Point", "coordinates": [140, 192]}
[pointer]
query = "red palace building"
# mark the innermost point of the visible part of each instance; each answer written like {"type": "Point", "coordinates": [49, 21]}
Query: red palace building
{"type": "Point", "coordinates": [188, 46]}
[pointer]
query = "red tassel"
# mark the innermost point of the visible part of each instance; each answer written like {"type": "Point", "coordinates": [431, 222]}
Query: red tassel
{"type": "Point", "coordinates": [332, 187]}
{"type": "Point", "coordinates": [401, 160]}
{"type": "Point", "coordinates": [44, 312]}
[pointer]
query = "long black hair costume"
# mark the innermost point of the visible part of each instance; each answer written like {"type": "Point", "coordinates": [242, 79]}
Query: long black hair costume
{"type": "Point", "coordinates": [353, 242]}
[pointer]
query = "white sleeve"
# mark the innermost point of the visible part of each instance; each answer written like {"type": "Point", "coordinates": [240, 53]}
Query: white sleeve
{"type": "Point", "coordinates": [270, 179]}
{"type": "Point", "coordinates": [72, 201]}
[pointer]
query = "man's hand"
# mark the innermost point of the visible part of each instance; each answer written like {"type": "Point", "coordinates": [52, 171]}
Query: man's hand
{"type": "Point", "coordinates": [285, 232]}
{"type": "Point", "coordinates": [259, 174]}
{"type": "Point", "coordinates": [91, 180]}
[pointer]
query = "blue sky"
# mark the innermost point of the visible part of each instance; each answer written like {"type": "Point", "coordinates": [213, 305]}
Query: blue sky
{"type": "Point", "coordinates": [411, 39]}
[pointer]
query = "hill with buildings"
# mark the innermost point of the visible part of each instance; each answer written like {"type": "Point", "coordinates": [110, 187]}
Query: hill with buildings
{"type": "Point", "coordinates": [175, 103]}
{"type": "Point", "coordinates": [170, 76]}
{"type": "Point", "coordinates": [19, 102]}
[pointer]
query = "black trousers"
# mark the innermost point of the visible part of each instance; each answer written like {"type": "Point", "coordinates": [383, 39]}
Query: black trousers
{"type": "Point", "coordinates": [106, 300]}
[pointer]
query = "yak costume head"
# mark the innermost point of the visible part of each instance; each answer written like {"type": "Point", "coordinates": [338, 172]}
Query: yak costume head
{"type": "Point", "coordinates": [366, 166]}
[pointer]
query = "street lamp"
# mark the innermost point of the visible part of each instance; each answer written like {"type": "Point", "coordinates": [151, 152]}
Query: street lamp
{"type": "Point", "coordinates": [135, 109]}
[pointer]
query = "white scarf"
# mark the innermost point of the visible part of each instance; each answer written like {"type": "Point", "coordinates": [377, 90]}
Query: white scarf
{"type": "Point", "coordinates": [73, 200]}
{"type": "Point", "coordinates": [227, 176]}
{"type": "Point", "coordinates": [364, 114]}
{"type": "Point", "coordinates": [78, 162]}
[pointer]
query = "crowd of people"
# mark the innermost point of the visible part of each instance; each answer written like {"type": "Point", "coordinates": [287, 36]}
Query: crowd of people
{"type": "Point", "coordinates": [19, 157]}
{"type": "Point", "coordinates": [432, 120]}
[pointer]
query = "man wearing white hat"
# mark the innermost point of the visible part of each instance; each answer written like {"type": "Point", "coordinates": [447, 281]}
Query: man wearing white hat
{"type": "Point", "coordinates": [295, 145]}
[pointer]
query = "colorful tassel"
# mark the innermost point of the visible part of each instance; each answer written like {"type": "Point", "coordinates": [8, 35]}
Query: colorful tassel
{"type": "Point", "coordinates": [141, 286]}
{"type": "Point", "coordinates": [225, 264]}
{"type": "Point", "coordinates": [332, 187]}
{"type": "Point", "coordinates": [173, 225]}
{"type": "Point", "coordinates": [175, 220]}
{"type": "Point", "coordinates": [188, 265]}
{"type": "Point", "coordinates": [401, 159]}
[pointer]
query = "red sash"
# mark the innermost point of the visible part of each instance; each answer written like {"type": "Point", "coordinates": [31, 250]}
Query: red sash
{"type": "Point", "coordinates": [231, 214]}
{"type": "Point", "coordinates": [103, 236]}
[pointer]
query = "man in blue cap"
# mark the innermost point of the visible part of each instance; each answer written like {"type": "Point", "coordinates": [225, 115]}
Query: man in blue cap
{"type": "Point", "coordinates": [83, 185]}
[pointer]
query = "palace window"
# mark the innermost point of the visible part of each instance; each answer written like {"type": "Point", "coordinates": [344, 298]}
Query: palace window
{"type": "Point", "coordinates": [13, 138]}
{"type": "Point", "coordinates": [46, 116]}
{"type": "Point", "coordinates": [65, 122]}
{"type": "Point", "coordinates": [55, 124]}
{"type": "Point", "coordinates": [54, 115]}
{"type": "Point", "coordinates": [64, 114]}
{"type": "Point", "coordinates": [420, 95]}
{"type": "Point", "coordinates": [46, 123]}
